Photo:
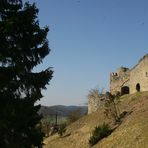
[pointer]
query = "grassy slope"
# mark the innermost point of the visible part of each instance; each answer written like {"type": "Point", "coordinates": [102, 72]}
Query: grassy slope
{"type": "Point", "coordinates": [132, 133]}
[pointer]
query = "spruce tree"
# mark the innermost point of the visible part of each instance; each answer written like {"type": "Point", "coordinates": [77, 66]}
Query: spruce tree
{"type": "Point", "coordinates": [23, 45]}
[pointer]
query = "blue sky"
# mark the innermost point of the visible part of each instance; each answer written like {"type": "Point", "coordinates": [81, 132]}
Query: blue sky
{"type": "Point", "coordinates": [88, 40]}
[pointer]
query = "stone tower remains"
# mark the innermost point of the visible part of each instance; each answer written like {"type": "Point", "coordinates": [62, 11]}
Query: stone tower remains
{"type": "Point", "coordinates": [128, 81]}
{"type": "Point", "coordinates": [125, 81]}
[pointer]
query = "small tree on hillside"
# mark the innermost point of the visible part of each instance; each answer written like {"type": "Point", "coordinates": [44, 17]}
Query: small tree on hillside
{"type": "Point", "coordinates": [111, 106]}
{"type": "Point", "coordinates": [99, 133]}
{"type": "Point", "coordinates": [95, 93]}
{"type": "Point", "coordinates": [23, 45]}
{"type": "Point", "coordinates": [62, 129]}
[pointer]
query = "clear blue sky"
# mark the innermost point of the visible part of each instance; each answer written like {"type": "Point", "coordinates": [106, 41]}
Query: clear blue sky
{"type": "Point", "coordinates": [88, 40]}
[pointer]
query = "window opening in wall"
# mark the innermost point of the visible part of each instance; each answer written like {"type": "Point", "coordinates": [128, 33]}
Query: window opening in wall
{"type": "Point", "coordinates": [138, 87]}
{"type": "Point", "coordinates": [124, 90]}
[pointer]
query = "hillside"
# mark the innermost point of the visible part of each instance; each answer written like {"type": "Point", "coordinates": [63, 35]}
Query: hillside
{"type": "Point", "coordinates": [132, 132]}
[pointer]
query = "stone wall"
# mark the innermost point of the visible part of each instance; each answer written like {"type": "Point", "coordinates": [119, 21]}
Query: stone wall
{"type": "Point", "coordinates": [124, 80]}
{"type": "Point", "coordinates": [131, 78]}
{"type": "Point", "coordinates": [94, 103]}
{"type": "Point", "coordinates": [119, 79]}
{"type": "Point", "coordinates": [139, 75]}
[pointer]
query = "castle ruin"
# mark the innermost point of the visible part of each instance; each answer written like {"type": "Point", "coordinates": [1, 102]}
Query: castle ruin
{"type": "Point", "coordinates": [125, 81]}
{"type": "Point", "coordinates": [129, 81]}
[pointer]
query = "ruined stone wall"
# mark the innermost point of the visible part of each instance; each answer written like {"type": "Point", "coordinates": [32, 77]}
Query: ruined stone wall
{"type": "Point", "coordinates": [139, 75]}
{"type": "Point", "coordinates": [119, 79]}
{"type": "Point", "coordinates": [125, 77]}
{"type": "Point", "coordinates": [95, 103]}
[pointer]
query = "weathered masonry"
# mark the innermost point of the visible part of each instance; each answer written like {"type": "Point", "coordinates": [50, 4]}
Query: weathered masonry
{"type": "Point", "coordinates": [125, 81]}
{"type": "Point", "coordinates": [128, 81]}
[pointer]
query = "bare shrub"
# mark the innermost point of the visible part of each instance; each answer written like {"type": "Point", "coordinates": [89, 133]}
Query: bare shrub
{"type": "Point", "coordinates": [111, 106]}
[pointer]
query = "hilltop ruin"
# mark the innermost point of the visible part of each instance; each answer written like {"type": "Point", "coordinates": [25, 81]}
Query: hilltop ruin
{"type": "Point", "coordinates": [125, 81]}
{"type": "Point", "coordinates": [129, 81]}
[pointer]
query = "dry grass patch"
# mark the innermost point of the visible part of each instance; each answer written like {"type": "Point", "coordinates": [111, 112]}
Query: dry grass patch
{"type": "Point", "coordinates": [132, 132]}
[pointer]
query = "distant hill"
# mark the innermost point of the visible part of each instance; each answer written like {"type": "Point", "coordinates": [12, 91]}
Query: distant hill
{"type": "Point", "coordinates": [60, 110]}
